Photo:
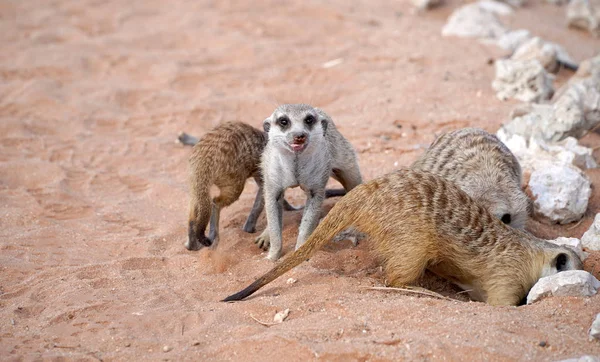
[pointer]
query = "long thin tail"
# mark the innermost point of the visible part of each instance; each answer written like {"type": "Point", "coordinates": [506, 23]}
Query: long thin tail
{"type": "Point", "coordinates": [336, 220]}
{"type": "Point", "coordinates": [334, 192]}
{"type": "Point", "coordinates": [186, 139]}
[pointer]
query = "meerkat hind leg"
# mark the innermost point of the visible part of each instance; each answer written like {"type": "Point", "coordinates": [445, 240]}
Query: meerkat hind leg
{"type": "Point", "coordinates": [405, 268]}
{"type": "Point", "coordinates": [348, 178]}
{"type": "Point", "coordinates": [228, 195]}
{"type": "Point", "coordinates": [257, 208]}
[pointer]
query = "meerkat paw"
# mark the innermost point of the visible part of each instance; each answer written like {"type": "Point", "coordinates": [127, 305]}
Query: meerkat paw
{"type": "Point", "coordinates": [273, 255]}
{"type": "Point", "coordinates": [263, 241]}
{"type": "Point", "coordinates": [195, 244]}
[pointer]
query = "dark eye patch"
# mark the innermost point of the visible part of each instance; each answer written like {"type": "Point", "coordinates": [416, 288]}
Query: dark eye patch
{"type": "Point", "coordinates": [283, 122]}
{"type": "Point", "coordinates": [506, 218]}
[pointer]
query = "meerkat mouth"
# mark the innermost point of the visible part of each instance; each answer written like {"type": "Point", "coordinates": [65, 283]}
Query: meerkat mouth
{"type": "Point", "coordinates": [298, 147]}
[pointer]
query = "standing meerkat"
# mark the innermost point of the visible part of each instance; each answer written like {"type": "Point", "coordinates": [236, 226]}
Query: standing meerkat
{"type": "Point", "coordinates": [482, 166]}
{"type": "Point", "coordinates": [304, 150]}
{"type": "Point", "coordinates": [416, 221]}
{"type": "Point", "coordinates": [225, 156]}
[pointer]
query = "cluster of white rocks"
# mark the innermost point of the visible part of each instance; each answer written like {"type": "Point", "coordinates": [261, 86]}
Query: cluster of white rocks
{"type": "Point", "coordinates": [470, 20]}
{"type": "Point", "coordinates": [543, 132]}
{"type": "Point", "coordinates": [544, 139]}
{"type": "Point", "coordinates": [584, 14]}
{"type": "Point", "coordinates": [527, 74]}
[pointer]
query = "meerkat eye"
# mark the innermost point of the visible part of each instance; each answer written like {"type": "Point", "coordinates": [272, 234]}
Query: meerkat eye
{"type": "Point", "coordinates": [506, 218]}
{"type": "Point", "coordinates": [309, 120]}
{"type": "Point", "coordinates": [561, 262]}
{"type": "Point", "coordinates": [283, 121]}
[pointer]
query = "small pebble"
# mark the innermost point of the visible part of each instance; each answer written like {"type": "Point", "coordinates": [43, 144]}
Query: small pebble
{"type": "Point", "coordinates": [167, 348]}
{"type": "Point", "coordinates": [291, 281]}
{"type": "Point", "coordinates": [196, 343]}
{"type": "Point", "coordinates": [542, 344]}
{"type": "Point", "coordinates": [127, 344]}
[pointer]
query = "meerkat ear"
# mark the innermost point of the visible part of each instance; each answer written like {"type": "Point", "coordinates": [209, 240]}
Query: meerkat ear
{"type": "Point", "coordinates": [267, 124]}
{"type": "Point", "coordinates": [561, 262]}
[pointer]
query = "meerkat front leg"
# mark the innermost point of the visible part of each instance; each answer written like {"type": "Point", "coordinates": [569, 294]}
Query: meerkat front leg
{"type": "Point", "coordinates": [274, 204]}
{"type": "Point", "coordinates": [311, 216]}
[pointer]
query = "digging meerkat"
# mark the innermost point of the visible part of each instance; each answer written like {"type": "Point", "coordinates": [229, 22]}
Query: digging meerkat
{"type": "Point", "coordinates": [304, 150]}
{"type": "Point", "coordinates": [416, 221]}
{"type": "Point", "coordinates": [225, 156]}
{"type": "Point", "coordinates": [483, 167]}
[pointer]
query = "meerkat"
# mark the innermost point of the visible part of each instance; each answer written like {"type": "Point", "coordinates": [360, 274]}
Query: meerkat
{"type": "Point", "coordinates": [304, 149]}
{"type": "Point", "coordinates": [482, 166]}
{"type": "Point", "coordinates": [225, 156]}
{"type": "Point", "coordinates": [418, 220]}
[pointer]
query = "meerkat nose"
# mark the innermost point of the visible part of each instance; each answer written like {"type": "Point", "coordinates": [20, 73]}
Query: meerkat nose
{"type": "Point", "coordinates": [300, 138]}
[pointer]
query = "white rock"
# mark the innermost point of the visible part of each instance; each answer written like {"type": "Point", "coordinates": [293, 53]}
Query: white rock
{"type": "Point", "coordinates": [522, 137]}
{"type": "Point", "coordinates": [527, 118]}
{"type": "Point", "coordinates": [594, 331]}
{"type": "Point", "coordinates": [586, 358]}
{"type": "Point", "coordinates": [584, 14]}
{"type": "Point", "coordinates": [572, 243]}
{"type": "Point", "coordinates": [426, 4]}
{"type": "Point", "coordinates": [281, 316]}
{"type": "Point", "coordinates": [588, 68]}
{"type": "Point", "coordinates": [495, 7]}
{"type": "Point", "coordinates": [576, 111]}
{"type": "Point", "coordinates": [561, 192]}
{"type": "Point", "coordinates": [540, 50]}
{"type": "Point", "coordinates": [565, 152]}
{"type": "Point", "coordinates": [524, 80]}
{"type": "Point", "coordinates": [474, 21]}
{"type": "Point", "coordinates": [591, 238]}
{"type": "Point", "coordinates": [576, 283]}
{"type": "Point", "coordinates": [513, 39]}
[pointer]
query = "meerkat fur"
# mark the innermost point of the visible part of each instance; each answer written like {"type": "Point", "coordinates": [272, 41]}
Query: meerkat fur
{"type": "Point", "coordinates": [416, 221]}
{"type": "Point", "coordinates": [225, 157]}
{"type": "Point", "coordinates": [482, 166]}
{"type": "Point", "coordinates": [304, 149]}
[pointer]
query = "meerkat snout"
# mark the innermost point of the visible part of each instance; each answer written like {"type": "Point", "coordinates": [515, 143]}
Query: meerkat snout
{"type": "Point", "coordinates": [294, 131]}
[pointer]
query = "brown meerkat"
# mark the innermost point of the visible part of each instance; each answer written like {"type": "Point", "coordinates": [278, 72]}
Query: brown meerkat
{"type": "Point", "coordinates": [416, 221]}
{"type": "Point", "coordinates": [225, 156]}
{"type": "Point", "coordinates": [304, 149]}
{"type": "Point", "coordinates": [483, 167]}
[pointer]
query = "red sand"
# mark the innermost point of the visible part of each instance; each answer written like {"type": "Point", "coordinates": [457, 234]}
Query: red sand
{"type": "Point", "coordinates": [93, 194]}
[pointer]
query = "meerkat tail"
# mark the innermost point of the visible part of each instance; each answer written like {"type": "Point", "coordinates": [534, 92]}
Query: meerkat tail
{"type": "Point", "coordinates": [338, 219]}
{"type": "Point", "coordinates": [334, 192]}
{"type": "Point", "coordinates": [186, 139]}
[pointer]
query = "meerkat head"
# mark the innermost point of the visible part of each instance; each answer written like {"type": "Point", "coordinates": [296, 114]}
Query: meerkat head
{"type": "Point", "coordinates": [558, 259]}
{"type": "Point", "coordinates": [505, 201]}
{"type": "Point", "coordinates": [296, 127]}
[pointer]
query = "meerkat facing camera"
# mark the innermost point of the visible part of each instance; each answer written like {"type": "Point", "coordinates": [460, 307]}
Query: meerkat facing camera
{"type": "Point", "coordinates": [304, 149]}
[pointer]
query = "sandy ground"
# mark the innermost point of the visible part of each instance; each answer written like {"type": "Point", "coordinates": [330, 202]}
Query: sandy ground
{"type": "Point", "coordinates": [93, 194]}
